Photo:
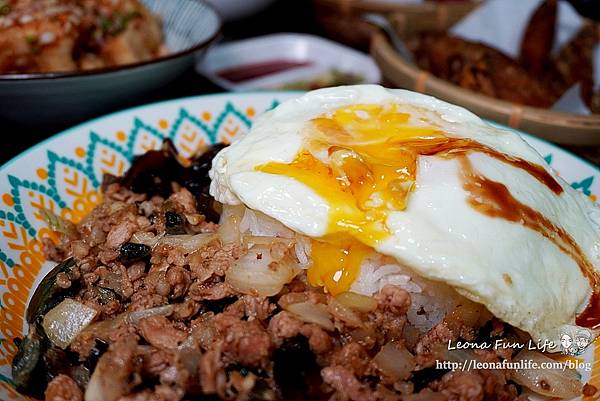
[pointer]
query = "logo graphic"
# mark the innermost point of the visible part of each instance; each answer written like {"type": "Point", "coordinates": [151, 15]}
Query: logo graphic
{"type": "Point", "coordinates": [574, 340]}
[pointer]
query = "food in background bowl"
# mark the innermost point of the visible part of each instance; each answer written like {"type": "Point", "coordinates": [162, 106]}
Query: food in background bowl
{"type": "Point", "coordinates": [68, 35]}
{"type": "Point", "coordinates": [537, 78]}
{"type": "Point", "coordinates": [63, 98]}
{"type": "Point", "coordinates": [360, 230]}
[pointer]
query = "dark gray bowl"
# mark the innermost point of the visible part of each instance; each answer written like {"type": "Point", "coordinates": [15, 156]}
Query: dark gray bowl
{"type": "Point", "coordinates": [190, 26]}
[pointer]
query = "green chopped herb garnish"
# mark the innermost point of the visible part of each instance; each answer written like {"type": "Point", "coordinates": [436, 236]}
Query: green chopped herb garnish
{"type": "Point", "coordinates": [4, 9]}
{"type": "Point", "coordinates": [117, 23]}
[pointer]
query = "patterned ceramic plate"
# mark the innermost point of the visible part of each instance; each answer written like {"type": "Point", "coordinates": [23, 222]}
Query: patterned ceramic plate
{"type": "Point", "coordinates": [64, 172]}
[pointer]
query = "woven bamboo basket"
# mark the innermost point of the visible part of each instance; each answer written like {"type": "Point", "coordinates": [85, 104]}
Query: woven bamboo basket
{"type": "Point", "coordinates": [341, 19]}
{"type": "Point", "coordinates": [559, 127]}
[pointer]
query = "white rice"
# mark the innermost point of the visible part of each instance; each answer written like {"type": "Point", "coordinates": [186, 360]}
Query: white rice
{"type": "Point", "coordinates": [430, 301]}
{"type": "Point", "coordinates": [261, 225]}
{"type": "Point", "coordinates": [375, 274]}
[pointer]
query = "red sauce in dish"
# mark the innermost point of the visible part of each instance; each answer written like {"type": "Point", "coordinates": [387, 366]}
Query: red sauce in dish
{"type": "Point", "coordinates": [256, 70]}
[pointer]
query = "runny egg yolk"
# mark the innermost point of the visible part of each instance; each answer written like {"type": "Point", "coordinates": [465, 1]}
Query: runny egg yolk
{"type": "Point", "coordinates": [371, 153]}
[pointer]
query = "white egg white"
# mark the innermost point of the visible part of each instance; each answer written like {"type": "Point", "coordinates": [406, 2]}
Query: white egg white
{"type": "Point", "coordinates": [439, 235]}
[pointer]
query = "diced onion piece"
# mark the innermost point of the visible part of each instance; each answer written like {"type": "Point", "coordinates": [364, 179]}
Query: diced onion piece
{"type": "Point", "coordinates": [101, 388]}
{"type": "Point", "coordinates": [292, 298]}
{"type": "Point", "coordinates": [303, 249]}
{"type": "Point", "coordinates": [188, 243]}
{"type": "Point", "coordinates": [135, 317]}
{"type": "Point", "coordinates": [260, 240]}
{"type": "Point", "coordinates": [469, 314]}
{"type": "Point", "coordinates": [189, 354]}
{"type": "Point", "coordinates": [344, 313]}
{"type": "Point", "coordinates": [66, 320]}
{"type": "Point", "coordinates": [229, 224]}
{"type": "Point", "coordinates": [104, 328]}
{"type": "Point", "coordinates": [549, 382]}
{"type": "Point", "coordinates": [258, 273]}
{"type": "Point", "coordinates": [146, 238]}
{"type": "Point", "coordinates": [395, 361]}
{"type": "Point", "coordinates": [259, 224]}
{"type": "Point", "coordinates": [204, 332]}
{"type": "Point", "coordinates": [358, 302]}
{"type": "Point", "coordinates": [312, 313]}
{"type": "Point", "coordinates": [111, 378]}
{"type": "Point", "coordinates": [58, 224]}
{"type": "Point", "coordinates": [363, 334]}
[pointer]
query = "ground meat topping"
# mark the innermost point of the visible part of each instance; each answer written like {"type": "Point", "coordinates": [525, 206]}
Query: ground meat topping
{"type": "Point", "coordinates": [63, 388]}
{"type": "Point", "coordinates": [346, 384]}
{"type": "Point", "coordinates": [179, 280]}
{"type": "Point", "coordinates": [462, 386]}
{"type": "Point", "coordinates": [244, 341]}
{"type": "Point", "coordinates": [173, 326]}
{"type": "Point", "coordinates": [161, 333]}
{"type": "Point", "coordinates": [252, 308]}
{"type": "Point", "coordinates": [210, 291]}
{"type": "Point", "coordinates": [394, 300]}
{"type": "Point", "coordinates": [120, 234]}
{"type": "Point", "coordinates": [284, 325]}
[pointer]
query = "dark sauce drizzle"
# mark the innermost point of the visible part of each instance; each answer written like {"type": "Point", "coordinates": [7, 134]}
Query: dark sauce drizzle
{"type": "Point", "coordinates": [495, 200]}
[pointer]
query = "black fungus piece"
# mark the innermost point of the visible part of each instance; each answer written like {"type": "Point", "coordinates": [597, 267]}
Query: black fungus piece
{"type": "Point", "coordinates": [130, 252]}
{"type": "Point", "coordinates": [518, 387]}
{"type": "Point", "coordinates": [48, 294]}
{"type": "Point", "coordinates": [153, 172]}
{"type": "Point", "coordinates": [245, 370]}
{"type": "Point", "coordinates": [55, 361]}
{"type": "Point", "coordinates": [104, 295]}
{"type": "Point", "coordinates": [587, 8]}
{"type": "Point", "coordinates": [108, 179]}
{"type": "Point", "coordinates": [28, 369]}
{"type": "Point", "coordinates": [207, 206]}
{"type": "Point", "coordinates": [195, 178]}
{"type": "Point", "coordinates": [100, 347]}
{"type": "Point", "coordinates": [262, 391]}
{"type": "Point", "coordinates": [38, 362]}
{"type": "Point", "coordinates": [295, 370]}
{"type": "Point", "coordinates": [80, 374]}
{"type": "Point", "coordinates": [174, 223]}
{"type": "Point", "coordinates": [422, 378]}
{"type": "Point", "coordinates": [58, 361]}
{"type": "Point", "coordinates": [217, 306]}
{"type": "Point", "coordinates": [484, 335]}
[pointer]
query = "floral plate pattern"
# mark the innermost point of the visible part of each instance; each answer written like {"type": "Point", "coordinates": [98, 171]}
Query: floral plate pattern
{"type": "Point", "coordinates": [64, 172]}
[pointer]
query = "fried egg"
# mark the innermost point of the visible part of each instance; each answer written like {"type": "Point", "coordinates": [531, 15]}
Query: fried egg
{"type": "Point", "coordinates": [363, 169]}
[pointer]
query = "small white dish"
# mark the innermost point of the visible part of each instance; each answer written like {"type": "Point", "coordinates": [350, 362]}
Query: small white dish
{"type": "Point", "coordinates": [320, 55]}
